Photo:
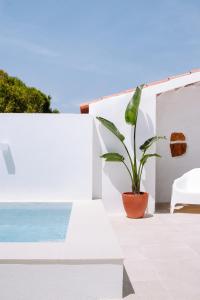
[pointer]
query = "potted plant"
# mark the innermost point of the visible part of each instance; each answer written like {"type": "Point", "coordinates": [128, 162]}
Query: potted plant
{"type": "Point", "coordinates": [135, 202]}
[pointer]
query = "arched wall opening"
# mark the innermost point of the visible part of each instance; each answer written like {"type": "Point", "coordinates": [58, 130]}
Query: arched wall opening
{"type": "Point", "coordinates": [177, 111]}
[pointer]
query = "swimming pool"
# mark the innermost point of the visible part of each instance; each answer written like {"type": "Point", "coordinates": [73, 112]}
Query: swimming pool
{"type": "Point", "coordinates": [34, 222]}
{"type": "Point", "coordinates": [87, 264]}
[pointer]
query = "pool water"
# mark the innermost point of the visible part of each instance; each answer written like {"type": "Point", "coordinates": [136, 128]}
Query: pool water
{"type": "Point", "coordinates": [34, 222]}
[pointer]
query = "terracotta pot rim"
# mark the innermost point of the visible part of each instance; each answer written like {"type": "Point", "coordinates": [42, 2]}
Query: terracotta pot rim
{"type": "Point", "coordinates": [135, 194]}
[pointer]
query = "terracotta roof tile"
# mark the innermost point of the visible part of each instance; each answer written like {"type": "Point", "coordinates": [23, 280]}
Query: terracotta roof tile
{"type": "Point", "coordinates": [84, 107]}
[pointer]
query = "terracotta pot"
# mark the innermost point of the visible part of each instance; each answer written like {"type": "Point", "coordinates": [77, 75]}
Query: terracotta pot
{"type": "Point", "coordinates": [135, 204]}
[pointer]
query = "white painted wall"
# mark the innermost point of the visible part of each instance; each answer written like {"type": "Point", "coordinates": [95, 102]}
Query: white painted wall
{"type": "Point", "coordinates": [60, 281]}
{"type": "Point", "coordinates": [177, 111]}
{"type": "Point", "coordinates": [49, 157]}
{"type": "Point", "coordinates": [114, 177]}
{"type": "Point", "coordinates": [97, 165]}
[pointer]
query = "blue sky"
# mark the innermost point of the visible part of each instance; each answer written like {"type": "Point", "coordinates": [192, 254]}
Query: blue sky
{"type": "Point", "coordinates": [79, 50]}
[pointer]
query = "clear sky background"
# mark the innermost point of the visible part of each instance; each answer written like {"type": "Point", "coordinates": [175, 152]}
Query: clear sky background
{"type": "Point", "coordinates": [79, 50]}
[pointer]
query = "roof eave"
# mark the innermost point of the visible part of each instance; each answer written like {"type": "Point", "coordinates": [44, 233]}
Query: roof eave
{"type": "Point", "coordinates": [84, 107]}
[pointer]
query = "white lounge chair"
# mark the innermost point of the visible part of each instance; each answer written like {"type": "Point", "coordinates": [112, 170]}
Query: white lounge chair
{"type": "Point", "coordinates": [186, 189]}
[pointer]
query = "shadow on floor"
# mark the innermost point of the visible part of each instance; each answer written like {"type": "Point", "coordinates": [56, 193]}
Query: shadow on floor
{"type": "Point", "coordinates": [164, 208]}
{"type": "Point", "coordinates": [146, 216]}
{"type": "Point", "coordinates": [127, 286]}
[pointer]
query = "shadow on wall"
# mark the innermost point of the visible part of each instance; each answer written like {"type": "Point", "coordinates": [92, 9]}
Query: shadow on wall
{"type": "Point", "coordinates": [116, 171]}
{"type": "Point", "coordinates": [96, 166]}
{"type": "Point", "coordinates": [145, 130]}
{"type": "Point", "coordinates": [8, 159]}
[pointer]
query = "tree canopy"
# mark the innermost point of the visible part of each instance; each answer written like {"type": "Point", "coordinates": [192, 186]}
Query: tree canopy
{"type": "Point", "coordinates": [17, 97]}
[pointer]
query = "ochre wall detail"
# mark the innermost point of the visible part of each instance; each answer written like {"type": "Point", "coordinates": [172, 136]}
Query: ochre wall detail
{"type": "Point", "coordinates": [177, 146]}
{"type": "Point", "coordinates": [177, 136]}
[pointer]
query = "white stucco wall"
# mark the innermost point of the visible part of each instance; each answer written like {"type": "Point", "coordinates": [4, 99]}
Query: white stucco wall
{"type": "Point", "coordinates": [49, 158]}
{"type": "Point", "coordinates": [44, 281]}
{"type": "Point", "coordinates": [97, 165]}
{"type": "Point", "coordinates": [114, 177]}
{"type": "Point", "coordinates": [177, 111]}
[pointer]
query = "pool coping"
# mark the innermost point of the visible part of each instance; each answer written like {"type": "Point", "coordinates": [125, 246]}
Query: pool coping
{"type": "Point", "coordinates": [98, 243]}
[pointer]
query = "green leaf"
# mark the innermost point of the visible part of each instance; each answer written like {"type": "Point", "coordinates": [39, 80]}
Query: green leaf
{"type": "Point", "coordinates": [111, 126]}
{"type": "Point", "coordinates": [131, 112]}
{"type": "Point", "coordinates": [112, 156]}
{"type": "Point", "coordinates": [150, 141]}
{"type": "Point", "coordinates": [147, 156]}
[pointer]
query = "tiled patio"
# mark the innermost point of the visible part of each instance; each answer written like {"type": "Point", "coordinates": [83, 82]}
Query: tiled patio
{"type": "Point", "coordinates": [162, 255]}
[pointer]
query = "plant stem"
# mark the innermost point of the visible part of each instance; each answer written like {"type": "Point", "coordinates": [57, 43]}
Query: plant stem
{"type": "Point", "coordinates": [128, 170]}
{"type": "Point", "coordinates": [134, 142]}
{"type": "Point", "coordinates": [132, 167]}
{"type": "Point", "coordinates": [140, 169]}
{"type": "Point", "coordinates": [128, 155]}
{"type": "Point", "coordinates": [140, 175]}
{"type": "Point", "coordinates": [135, 177]}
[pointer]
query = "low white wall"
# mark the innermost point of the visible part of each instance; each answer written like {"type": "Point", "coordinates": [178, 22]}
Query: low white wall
{"type": "Point", "coordinates": [60, 281]}
{"type": "Point", "coordinates": [177, 111]}
{"type": "Point", "coordinates": [48, 158]}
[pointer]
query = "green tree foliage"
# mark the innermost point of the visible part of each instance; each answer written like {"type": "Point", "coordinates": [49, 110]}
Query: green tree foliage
{"type": "Point", "coordinates": [16, 97]}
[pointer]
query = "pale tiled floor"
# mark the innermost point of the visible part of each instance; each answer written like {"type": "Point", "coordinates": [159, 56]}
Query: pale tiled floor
{"type": "Point", "coordinates": [162, 255]}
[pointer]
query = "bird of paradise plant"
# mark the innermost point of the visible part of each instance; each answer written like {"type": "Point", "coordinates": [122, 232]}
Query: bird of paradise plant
{"type": "Point", "coordinates": [134, 167]}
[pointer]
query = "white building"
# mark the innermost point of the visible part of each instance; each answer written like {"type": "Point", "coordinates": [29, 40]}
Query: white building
{"type": "Point", "coordinates": [168, 106]}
